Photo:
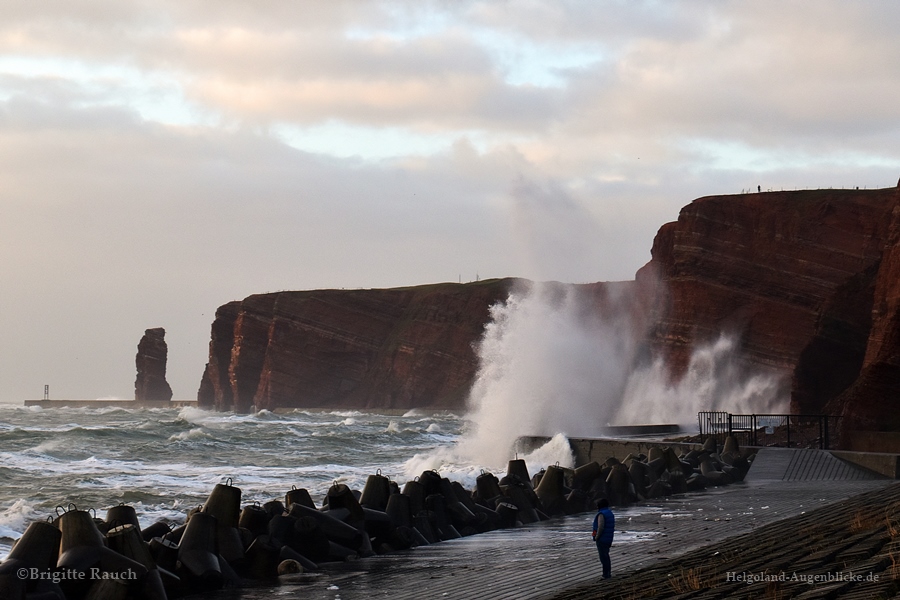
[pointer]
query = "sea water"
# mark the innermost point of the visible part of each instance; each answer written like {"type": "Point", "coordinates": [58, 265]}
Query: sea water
{"type": "Point", "coordinates": [166, 461]}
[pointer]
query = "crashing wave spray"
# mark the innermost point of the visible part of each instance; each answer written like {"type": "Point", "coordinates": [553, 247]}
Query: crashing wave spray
{"type": "Point", "coordinates": [714, 380]}
{"type": "Point", "coordinates": [553, 363]}
{"type": "Point", "coordinates": [550, 363]}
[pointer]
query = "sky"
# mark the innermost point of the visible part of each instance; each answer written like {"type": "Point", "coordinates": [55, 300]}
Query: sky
{"type": "Point", "coordinates": [159, 159]}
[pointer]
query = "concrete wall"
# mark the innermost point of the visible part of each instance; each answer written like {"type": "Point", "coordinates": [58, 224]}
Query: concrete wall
{"type": "Point", "coordinates": [885, 464]}
{"type": "Point", "coordinates": [588, 450]}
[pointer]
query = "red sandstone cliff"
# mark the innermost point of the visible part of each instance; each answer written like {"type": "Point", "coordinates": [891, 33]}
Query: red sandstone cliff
{"type": "Point", "coordinates": [809, 281]}
{"type": "Point", "coordinates": [389, 348]}
{"type": "Point", "coordinates": [790, 273]}
{"type": "Point", "coordinates": [151, 384]}
{"type": "Point", "coordinates": [397, 348]}
{"type": "Point", "coordinates": [871, 402]}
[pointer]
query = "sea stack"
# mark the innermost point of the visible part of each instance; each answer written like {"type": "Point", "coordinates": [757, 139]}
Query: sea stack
{"type": "Point", "coordinates": [151, 384]}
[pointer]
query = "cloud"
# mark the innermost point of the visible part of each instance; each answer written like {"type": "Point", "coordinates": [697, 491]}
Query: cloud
{"type": "Point", "coordinates": [106, 231]}
{"type": "Point", "coordinates": [160, 159]}
{"type": "Point", "coordinates": [759, 73]}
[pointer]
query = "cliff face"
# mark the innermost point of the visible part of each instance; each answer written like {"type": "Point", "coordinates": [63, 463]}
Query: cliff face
{"type": "Point", "coordinates": [871, 402]}
{"type": "Point", "coordinates": [808, 281]}
{"type": "Point", "coordinates": [152, 353]}
{"type": "Point", "coordinates": [215, 385]}
{"type": "Point", "coordinates": [390, 348]}
{"type": "Point", "coordinates": [397, 348]}
{"type": "Point", "coordinates": [791, 274]}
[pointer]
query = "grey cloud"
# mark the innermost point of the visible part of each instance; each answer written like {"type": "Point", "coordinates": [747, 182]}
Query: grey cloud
{"type": "Point", "coordinates": [110, 224]}
{"type": "Point", "coordinates": [137, 225]}
{"type": "Point", "coordinates": [671, 68]}
{"type": "Point", "coordinates": [556, 234]}
{"type": "Point", "coordinates": [606, 22]}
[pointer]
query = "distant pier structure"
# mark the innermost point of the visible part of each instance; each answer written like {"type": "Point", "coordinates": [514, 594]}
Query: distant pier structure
{"type": "Point", "coordinates": [47, 403]}
{"type": "Point", "coordinates": [150, 389]}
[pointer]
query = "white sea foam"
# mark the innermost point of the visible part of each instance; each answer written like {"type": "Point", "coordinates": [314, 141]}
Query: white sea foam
{"type": "Point", "coordinates": [715, 380]}
{"type": "Point", "coordinates": [48, 446]}
{"type": "Point", "coordinates": [16, 518]}
{"type": "Point", "coordinates": [345, 413]}
{"type": "Point", "coordinates": [415, 412]}
{"type": "Point", "coordinates": [197, 433]}
{"type": "Point", "coordinates": [556, 451]}
{"type": "Point", "coordinates": [13, 522]}
{"type": "Point", "coordinates": [446, 461]}
{"type": "Point", "coordinates": [195, 415]}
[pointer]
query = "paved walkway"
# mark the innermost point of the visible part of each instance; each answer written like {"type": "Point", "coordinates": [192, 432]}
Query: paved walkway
{"type": "Point", "coordinates": [800, 464]}
{"type": "Point", "coordinates": [843, 551]}
{"type": "Point", "coordinates": [542, 560]}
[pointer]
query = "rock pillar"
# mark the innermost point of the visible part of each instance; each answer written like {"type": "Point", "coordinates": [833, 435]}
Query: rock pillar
{"type": "Point", "coordinates": [151, 384]}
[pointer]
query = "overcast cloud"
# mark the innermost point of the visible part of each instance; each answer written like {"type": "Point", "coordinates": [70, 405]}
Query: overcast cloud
{"type": "Point", "coordinates": [158, 159]}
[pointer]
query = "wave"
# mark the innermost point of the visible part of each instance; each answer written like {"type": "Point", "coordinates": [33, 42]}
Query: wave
{"type": "Point", "coordinates": [8, 406]}
{"type": "Point", "coordinates": [197, 416]}
{"type": "Point", "coordinates": [197, 433]}
{"type": "Point", "coordinates": [165, 461]}
{"type": "Point", "coordinates": [49, 446]}
{"type": "Point", "coordinates": [345, 413]}
{"type": "Point", "coordinates": [16, 518]}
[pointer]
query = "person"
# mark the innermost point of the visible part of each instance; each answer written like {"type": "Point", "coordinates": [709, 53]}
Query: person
{"type": "Point", "coordinates": [604, 528]}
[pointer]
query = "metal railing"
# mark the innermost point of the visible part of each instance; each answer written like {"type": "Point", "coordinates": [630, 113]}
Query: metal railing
{"type": "Point", "coordinates": [788, 431]}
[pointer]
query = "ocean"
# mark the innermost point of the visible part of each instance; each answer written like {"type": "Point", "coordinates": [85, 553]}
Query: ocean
{"type": "Point", "coordinates": [166, 461]}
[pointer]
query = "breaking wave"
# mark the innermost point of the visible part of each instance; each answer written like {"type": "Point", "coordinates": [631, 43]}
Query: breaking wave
{"type": "Point", "coordinates": [552, 363]}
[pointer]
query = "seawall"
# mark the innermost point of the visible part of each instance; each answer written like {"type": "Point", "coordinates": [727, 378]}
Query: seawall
{"type": "Point", "coordinates": [587, 450]}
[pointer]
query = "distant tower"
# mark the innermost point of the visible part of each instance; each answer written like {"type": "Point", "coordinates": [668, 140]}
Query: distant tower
{"type": "Point", "coordinates": [46, 392]}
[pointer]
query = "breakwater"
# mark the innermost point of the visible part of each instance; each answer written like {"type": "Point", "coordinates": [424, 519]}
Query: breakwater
{"type": "Point", "coordinates": [585, 450]}
{"type": "Point", "coordinates": [226, 542]}
{"type": "Point", "coordinates": [101, 404]}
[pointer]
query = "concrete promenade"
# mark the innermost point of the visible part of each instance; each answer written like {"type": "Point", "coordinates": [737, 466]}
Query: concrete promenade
{"type": "Point", "coordinates": [545, 560]}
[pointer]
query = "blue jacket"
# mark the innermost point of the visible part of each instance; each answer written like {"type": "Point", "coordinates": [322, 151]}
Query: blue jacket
{"type": "Point", "coordinates": [609, 526]}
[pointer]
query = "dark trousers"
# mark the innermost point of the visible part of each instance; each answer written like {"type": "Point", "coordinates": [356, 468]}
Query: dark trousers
{"type": "Point", "coordinates": [603, 549]}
